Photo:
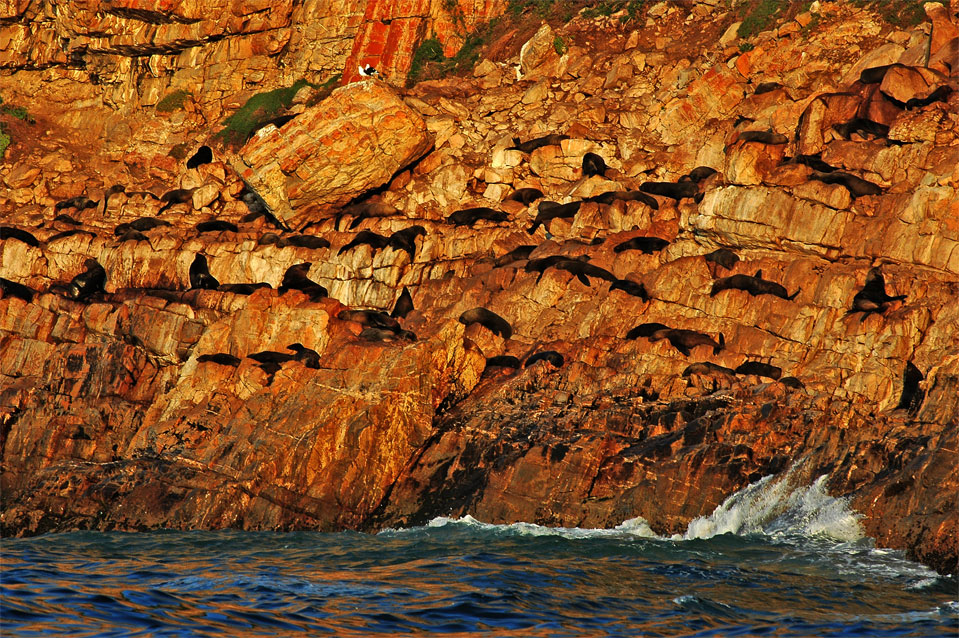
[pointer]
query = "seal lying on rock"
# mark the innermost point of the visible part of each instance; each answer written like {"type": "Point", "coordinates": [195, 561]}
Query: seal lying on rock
{"type": "Point", "coordinates": [14, 289]}
{"type": "Point", "coordinates": [759, 369]}
{"type": "Point", "coordinates": [549, 211]}
{"type": "Point", "coordinates": [677, 191]}
{"type": "Point", "coordinates": [550, 356]}
{"type": "Point", "coordinates": [525, 196]}
{"type": "Point", "coordinates": [539, 142]}
{"type": "Point", "coordinates": [630, 288]}
{"type": "Point", "coordinates": [857, 186]}
{"type": "Point", "coordinates": [176, 196]}
{"type": "Point", "coordinates": [368, 237]}
{"type": "Point", "coordinates": [307, 356]}
{"type": "Point", "coordinates": [583, 270]}
{"type": "Point", "coordinates": [646, 245]}
{"type": "Point", "coordinates": [489, 320]}
{"type": "Point", "coordinates": [216, 226]}
{"type": "Point", "coordinates": [11, 232]}
{"type": "Point", "coordinates": [405, 239]}
{"type": "Point", "coordinates": [722, 257]}
{"type": "Point", "coordinates": [469, 216]}
{"type": "Point", "coordinates": [517, 254]}
{"type": "Point", "coordinates": [502, 361]}
{"type": "Point", "coordinates": [609, 197]}
{"type": "Point", "coordinates": [681, 339]}
{"type": "Point", "coordinates": [219, 358]}
{"type": "Point", "coordinates": [80, 203]}
{"type": "Point", "coordinates": [755, 285]}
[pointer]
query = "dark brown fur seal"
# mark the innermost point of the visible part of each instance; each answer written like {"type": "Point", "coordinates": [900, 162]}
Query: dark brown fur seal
{"type": "Point", "coordinates": [307, 356]}
{"type": "Point", "coordinates": [11, 232]}
{"type": "Point", "coordinates": [405, 240]}
{"type": "Point", "coordinates": [624, 196]}
{"type": "Point", "coordinates": [594, 165]}
{"type": "Point", "coordinates": [709, 369]}
{"type": "Point", "coordinates": [503, 361]}
{"type": "Point", "coordinates": [200, 277]}
{"type": "Point", "coordinates": [539, 142]}
{"type": "Point", "coordinates": [681, 339]}
{"type": "Point", "coordinates": [550, 356]}
{"type": "Point", "coordinates": [63, 218]}
{"type": "Point", "coordinates": [220, 358]}
{"type": "Point", "coordinates": [722, 257]}
{"type": "Point", "coordinates": [174, 197]}
{"type": "Point", "coordinates": [80, 203]}
{"type": "Point", "coordinates": [517, 254]}
{"type": "Point", "coordinates": [862, 127]}
{"type": "Point", "coordinates": [698, 174]}
{"type": "Point", "coordinates": [856, 186]}
{"type": "Point", "coordinates": [371, 319]}
{"type": "Point", "coordinates": [525, 196]}
{"type": "Point", "coordinates": [646, 245]}
{"type": "Point", "coordinates": [365, 210]}
{"type": "Point", "coordinates": [549, 211]}
{"type": "Point", "coordinates": [759, 369]}
{"type": "Point", "coordinates": [469, 216]}
{"type": "Point", "coordinates": [91, 281]}
{"type": "Point", "coordinates": [755, 285]}
{"type": "Point", "coordinates": [489, 320]}
{"type": "Point", "coordinates": [143, 224]}
{"type": "Point", "coordinates": [873, 297]}
{"type": "Point", "coordinates": [216, 226]}
{"type": "Point", "coordinates": [583, 270]}
{"type": "Point", "coordinates": [682, 190]}
{"type": "Point", "coordinates": [912, 395]}
{"type": "Point", "coordinates": [295, 279]}
{"type": "Point", "coordinates": [368, 237]}
{"type": "Point", "coordinates": [763, 137]}
{"type": "Point", "coordinates": [14, 289]}
{"type": "Point", "coordinates": [630, 288]}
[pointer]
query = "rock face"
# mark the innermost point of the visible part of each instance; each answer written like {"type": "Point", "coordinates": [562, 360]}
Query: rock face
{"type": "Point", "coordinates": [678, 375]}
{"type": "Point", "coordinates": [352, 142]}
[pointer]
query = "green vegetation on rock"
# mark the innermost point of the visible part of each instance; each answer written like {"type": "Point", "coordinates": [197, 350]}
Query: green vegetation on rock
{"type": "Point", "coordinates": [173, 101]}
{"type": "Point", "coordinates": [258, 110]}
{"type": "Point", "coordinates": [429, 61]}
{"type": "Point", "coordinates": [4, 139]}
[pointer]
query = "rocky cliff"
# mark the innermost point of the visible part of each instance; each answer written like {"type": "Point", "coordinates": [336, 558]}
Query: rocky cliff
{"type": "Point", "coordinates": [623, 270]}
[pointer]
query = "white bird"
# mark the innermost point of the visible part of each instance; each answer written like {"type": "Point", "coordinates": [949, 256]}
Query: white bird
{"type": "Point", "coordinates": [367, 70]}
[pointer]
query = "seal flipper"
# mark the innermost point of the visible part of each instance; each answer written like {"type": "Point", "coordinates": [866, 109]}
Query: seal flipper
{"type": "Point", "coordinates": [793, 296]}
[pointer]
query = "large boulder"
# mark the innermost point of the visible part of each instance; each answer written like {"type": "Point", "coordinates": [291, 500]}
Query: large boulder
{"type": "Point", "coordinates": [349, 143]}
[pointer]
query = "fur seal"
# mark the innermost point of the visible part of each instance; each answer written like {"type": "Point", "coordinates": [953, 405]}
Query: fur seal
{"type": "Point", "coordinates": [83, 286]}
{"type": "Point", "coordinates": [517, 254]}
{"type": "Point", "coordinates": [371, 319]}
{"type": "Point", "coordinates": [698, 174]}
{"type": "Point", "coordinates": [548, 211]}
{"type": "Point", "coordinates": [763, 137]}
{"type": "Point", "coordinates": [80, 203]}
{"type": "Point", "coordinates": [857, 186]}
{"type": "Point", "coordinates": [503, 361]}
{"type": "Point", "coordinates": [646, 245]}
{"type": "Point", "coordinates": [759, 369]}
{"type": "Point", "coordinates": [13, 289]}
{"type": "Point", "coordinates": [489, 320]}
{"type": "Point", "coordinates": [609, 197]}
{"type": "Point", "coordinates": [307, 356]}
{"type": "Point", "coordinates": [551, 356]}
{"type": "Point", "coordinates": [300, 241]}
{"type": "Point", "coordinates": [630, 288]}
{"type": "Point", "coordinates": [268, 239]}
{"type": "Point", "coordinates": [681, 339]}
{"type": "Point", "coordinates": [405, 240]}
{"type": "Point", "coordinates": [755, 285]}
{"type": "Point", "coordinates": [814, 162]}
{"type": "Point", "coordinates": [525, 196]}
{"type": "Point", "coordinates": [862, 127]}
{"type": "Point", "coordinates": [594, 165]}
{"type": "Point", "coordinates": [379, 334]}
{"type": "Point", "coordinates": [368, 237]}
{"type": "Point", "coordinates": [792, 382]}
{"type": "Point", "coordinates": [129, 234]}
{"type": "Point", "coordinates": [539, 142]}
{"type": "Point", "coordinates": [403, 305]}
{"type": "Point", "coordinates": [677, 191]}
{"type": "Point", "coordinates": [200, 277]}
{"type": "Point", "coordinates": [912, 395]}
{"type": "Point", "coordinates": [143, 224]}
{"type": "Point", "coordinates": [176, 196]}
{"type": "Point", "coordinates": [203, 155]}
{"type": "Point", "coordinates": [722, 257]}
{"type": "Point", "coordinates": [873, 297]}
{"type": "Point", "coordinates": [63, 218]}
{"type": "Point", "coordinates": [583, 270]}
{"type": "Point", "coordinates": [295, 279]}
{"type": "Point", "coordinates": [469, 216]}
{"type": "Point", "coordinates": [709, 369]}
{"type": "Point", "coordinates": [242, 289]}
{"type": "Point", "coordinates": [939, 95]}
{"type": "Point", "coordinates": [270, 362]}
{"type": "Point", "coordinates": [216, 226]}
{"type": "Point", "coordinates": [11, 232]}
{"type": "Point", "coordinates": [220, 358]}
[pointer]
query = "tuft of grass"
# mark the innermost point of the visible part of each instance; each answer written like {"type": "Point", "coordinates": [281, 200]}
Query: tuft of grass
{"type": "Point", "coordinates": [173, 101]}
{"type": "Point", "coordinates": [258, 110]}
{"type": "Point", "coordinates": [559, 45]}
{"type": "Point", "coordinates": [5, 139]}
{"type": "Point", "coordinates": [759, 16]}
{"type": "Point", "coordinates": [429, 61]}
{"type": "Point", "coordinates": [746, 46]}
{"type": "Point", "coordinates": [900, 13]}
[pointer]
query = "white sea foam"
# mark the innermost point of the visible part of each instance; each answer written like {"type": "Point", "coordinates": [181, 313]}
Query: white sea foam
{"type": "Point", "coordinates": [634, 527]}
{"type": "Point", "coordinates": [777, 507]}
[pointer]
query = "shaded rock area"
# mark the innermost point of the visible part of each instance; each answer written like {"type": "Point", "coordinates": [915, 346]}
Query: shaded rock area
{"type": "Point", "coordinates": [409, 303]}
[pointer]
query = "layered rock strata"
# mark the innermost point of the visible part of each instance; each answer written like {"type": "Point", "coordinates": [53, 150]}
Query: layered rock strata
{"type": "Point", "coordinates": [139, 406]}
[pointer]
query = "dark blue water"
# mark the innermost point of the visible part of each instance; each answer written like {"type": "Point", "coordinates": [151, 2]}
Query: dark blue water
{"type": "Point", "coordinates": [458, 578]}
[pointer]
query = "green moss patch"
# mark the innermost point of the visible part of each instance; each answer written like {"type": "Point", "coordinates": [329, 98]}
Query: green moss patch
{"type": "Point", "coordinates": [257, 111]}
{"type": "Point", "coordinates": [173, 101]}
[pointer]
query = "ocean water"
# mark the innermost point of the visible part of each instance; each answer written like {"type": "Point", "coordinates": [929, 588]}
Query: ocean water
{"type": "Point", "coordinates": [774, 560]}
